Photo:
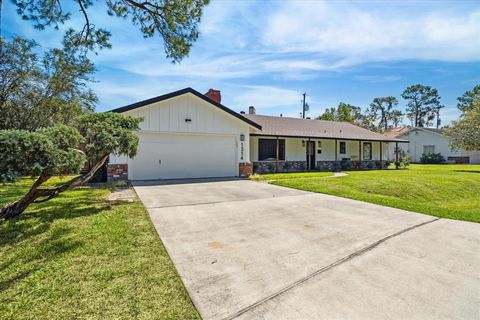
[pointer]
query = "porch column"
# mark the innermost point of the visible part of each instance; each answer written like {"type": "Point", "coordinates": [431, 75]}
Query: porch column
{"type": "Point", "coordinates": [277, 156]}
{"type": "Point", "coordinates": [359, 151]}
{"type": "Point", "coordinates": [309, 160]}
{"type": "Point", "coordinates": [381, 150]}
{"type": "Point", "coordinates": [336, 152]}
{"type": "Point", "coordinates": [396, 154]}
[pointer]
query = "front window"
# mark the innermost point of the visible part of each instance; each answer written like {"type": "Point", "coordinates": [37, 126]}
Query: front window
{"type": "Point", "coordinates": [367, 151]}
{"type": "Point", "coordinates": [267, 149]}
{"type": "Point", "coordinates": [428, 149]}
{"type": "Point", "coordinates": [343, 147]}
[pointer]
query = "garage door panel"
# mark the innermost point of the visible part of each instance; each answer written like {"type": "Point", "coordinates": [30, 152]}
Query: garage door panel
{"type": "Point", "coordinates": [170, 156]}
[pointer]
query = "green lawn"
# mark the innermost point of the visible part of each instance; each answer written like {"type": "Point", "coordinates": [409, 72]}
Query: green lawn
{"type": "Point", "coordinates": [447, 191]}
{"type": "Point", "coordinates": [80, 257]}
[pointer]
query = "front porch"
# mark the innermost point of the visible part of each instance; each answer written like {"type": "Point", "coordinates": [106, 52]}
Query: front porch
{"type": "Point", "coordinates": [287, 154]}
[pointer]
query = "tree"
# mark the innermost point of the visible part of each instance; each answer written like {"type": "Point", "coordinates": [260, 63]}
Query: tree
{"type": "Point", "coordinates": [344, 112]}
{"type": "Point", "coordinates": [422, 101]}
{"type": "Point", "coordinates": [41, 91]}
{"type": "Point", "coordinates": [176, 21]}
{"type": "Point", "coordinates": [383, 109]}
{"type": "Point", "coordinates": [396, 117]}
{"type": "Point", "coordinates": [465, 133]}
{"type": "Point", "coordinates": [62, 150]}
{"type": "Point", "coordinates": [467, 100]}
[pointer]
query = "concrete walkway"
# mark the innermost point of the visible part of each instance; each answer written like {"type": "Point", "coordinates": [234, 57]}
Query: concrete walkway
{"type": "Point", "coordinates": [248, 250]}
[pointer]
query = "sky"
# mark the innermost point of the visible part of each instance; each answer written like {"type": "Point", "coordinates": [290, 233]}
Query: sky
{"type": "Point", "coordinates": [267, 53]}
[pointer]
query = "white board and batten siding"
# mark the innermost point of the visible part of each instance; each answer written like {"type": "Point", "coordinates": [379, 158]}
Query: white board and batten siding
{"type": "Point", "coordinates": [172, 147]}
{"type": "Point", "coordinates": [432, 142]}
{"type": "Point", "coordinates": [295, 150]}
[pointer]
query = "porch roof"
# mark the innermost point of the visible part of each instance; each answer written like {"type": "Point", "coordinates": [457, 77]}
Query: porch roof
{"type": "Point", "coordinates": [317, 129]}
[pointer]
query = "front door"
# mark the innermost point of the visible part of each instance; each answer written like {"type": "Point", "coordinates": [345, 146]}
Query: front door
{"type": "Point", "coordinates": [311, 155]}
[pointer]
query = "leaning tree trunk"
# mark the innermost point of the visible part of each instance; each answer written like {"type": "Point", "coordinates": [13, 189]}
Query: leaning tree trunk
{"type": "Point", "coordinates": [16, 208]}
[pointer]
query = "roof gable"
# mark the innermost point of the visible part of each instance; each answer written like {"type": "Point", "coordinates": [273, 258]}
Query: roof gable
{"type": "Point", "coordinates": [406, 131]}
{"type": "Point", "coordinates": [182, 92]}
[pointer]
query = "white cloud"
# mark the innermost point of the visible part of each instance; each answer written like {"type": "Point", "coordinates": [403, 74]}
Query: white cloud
{"type": "Point", "coordinates": [377, 79]}
{"type": "Point", "coordinates": [264, 97]}
{"type": "Point", "coordinates": [358, 35]}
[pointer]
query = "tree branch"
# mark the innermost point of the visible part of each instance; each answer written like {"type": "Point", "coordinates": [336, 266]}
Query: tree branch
{"type": "Point", "coordinates": [87, 21]}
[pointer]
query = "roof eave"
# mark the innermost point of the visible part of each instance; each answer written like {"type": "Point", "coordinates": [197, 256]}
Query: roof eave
{"type": "Point", "coordinates": [326, 138]}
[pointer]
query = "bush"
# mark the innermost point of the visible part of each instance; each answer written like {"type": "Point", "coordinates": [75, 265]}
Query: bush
{"type": "Point", "coordinates": [371, 165]}
{"type": "Point", "coordinates": [287, 165]}
{"type": "Point", "coordinates": [403, 161]}
{"type": "Point", "coordinates": [432, 158]}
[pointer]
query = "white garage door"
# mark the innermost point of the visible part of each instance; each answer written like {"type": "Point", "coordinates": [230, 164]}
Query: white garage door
{"type": "Point", "coordinates": [174, 156]}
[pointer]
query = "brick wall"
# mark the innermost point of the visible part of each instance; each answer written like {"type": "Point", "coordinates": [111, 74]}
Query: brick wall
{"type": "Point", "coordinates": [245, 169]}
{"type": "Point", "coordinates": [117, 172]}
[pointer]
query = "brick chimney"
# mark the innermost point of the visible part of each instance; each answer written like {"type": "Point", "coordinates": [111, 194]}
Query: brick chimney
{"type": "Point", "coordinates": [251, 110]}
{"type": "Point", "coordinates": [214, 95]}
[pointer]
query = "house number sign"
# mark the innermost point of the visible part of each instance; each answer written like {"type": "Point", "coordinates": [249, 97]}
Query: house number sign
{"type": "Point", "coordinates": [242, 139]}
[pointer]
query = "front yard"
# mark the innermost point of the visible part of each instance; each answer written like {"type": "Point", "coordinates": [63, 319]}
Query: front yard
{"type": "Point", "coordinates": [80, 257]}
{"type": "Point", "coordinates": [447, 191]}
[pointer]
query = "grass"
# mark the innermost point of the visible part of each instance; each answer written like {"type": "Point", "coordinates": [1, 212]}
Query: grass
{"type": "Point", "coordinates": [446, 191]}
{"type": "Point", "coordinates": [80, 257]}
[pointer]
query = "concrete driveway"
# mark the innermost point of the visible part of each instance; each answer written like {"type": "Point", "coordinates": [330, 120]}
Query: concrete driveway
{"type": "Point", "coordinates": [250, 250]}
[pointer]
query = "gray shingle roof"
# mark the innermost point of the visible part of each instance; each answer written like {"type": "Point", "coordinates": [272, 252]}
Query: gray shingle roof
{"type": "Point", "coordinates": [397, 132]}
{"type": "Point", "coordinates": [306, 128]}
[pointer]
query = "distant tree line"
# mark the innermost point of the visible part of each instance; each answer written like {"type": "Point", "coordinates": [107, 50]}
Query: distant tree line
{"type": "Point", "coordinates": [422, 108]}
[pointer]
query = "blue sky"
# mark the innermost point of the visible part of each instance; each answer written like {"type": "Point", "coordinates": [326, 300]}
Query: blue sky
{"type": "Point", "coordinates": [267, 53]}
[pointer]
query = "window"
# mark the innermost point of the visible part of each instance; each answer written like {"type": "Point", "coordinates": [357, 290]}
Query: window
{"type": "Point", "coordinates": [319, 147]}
{"type": "Point", "coordinates": [367, 151]}
{"type": "Point", "coordinates": [267, 149]}
{"type": "Point", "coordinates": [343, 147]}
{"type": "Point", "coordinates": [428, 149]}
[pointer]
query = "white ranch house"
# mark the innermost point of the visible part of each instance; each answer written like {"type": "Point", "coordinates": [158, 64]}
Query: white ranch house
{"type": "Point", "coordinates": [185, 134]}
{"type": "Point", "coordinates": [428, 140]}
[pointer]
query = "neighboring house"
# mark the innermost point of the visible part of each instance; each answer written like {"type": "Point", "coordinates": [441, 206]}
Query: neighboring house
{"type": "Point", "coordinates": [185, 134]}
{"type": "Point", "coordinates": [428, 140]}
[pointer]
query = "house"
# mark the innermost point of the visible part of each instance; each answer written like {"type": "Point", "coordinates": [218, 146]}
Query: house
{"type": "Point", "coordinates": [185, 134]}
{"type": "Point", "coordinates": [428, 140]}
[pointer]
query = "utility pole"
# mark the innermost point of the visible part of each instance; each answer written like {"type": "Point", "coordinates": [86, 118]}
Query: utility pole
{"type": "Point", "coordinates": [305, 106]}
{"type": "Point", "coordinates": [439, 121]}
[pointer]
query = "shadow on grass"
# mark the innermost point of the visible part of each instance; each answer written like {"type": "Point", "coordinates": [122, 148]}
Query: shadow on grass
{"type": "Point", "coordinates": [43, 233]}
{"type": "Point", "coordinates": [31, 260]}
{"type": "Point", "coordinates": [467, 171]}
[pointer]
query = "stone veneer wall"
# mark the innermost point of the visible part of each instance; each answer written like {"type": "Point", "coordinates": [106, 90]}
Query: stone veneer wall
{"type": "Point", "coordinates": [245, 169]}
{"type": "Point", "coordinates": [283, 166]}
{"type": "Point", "coordinates": [117, 172]}
{"type": "Point", "coordinates": [298, 166]}
{"type": "Point", "coordinates": [347, 165]}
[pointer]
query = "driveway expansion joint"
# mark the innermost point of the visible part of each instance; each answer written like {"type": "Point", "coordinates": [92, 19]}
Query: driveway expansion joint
{"type": "Point", "coordinates": [215, 202]}
{"type": "Point", "coordinates": [328, 267]}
